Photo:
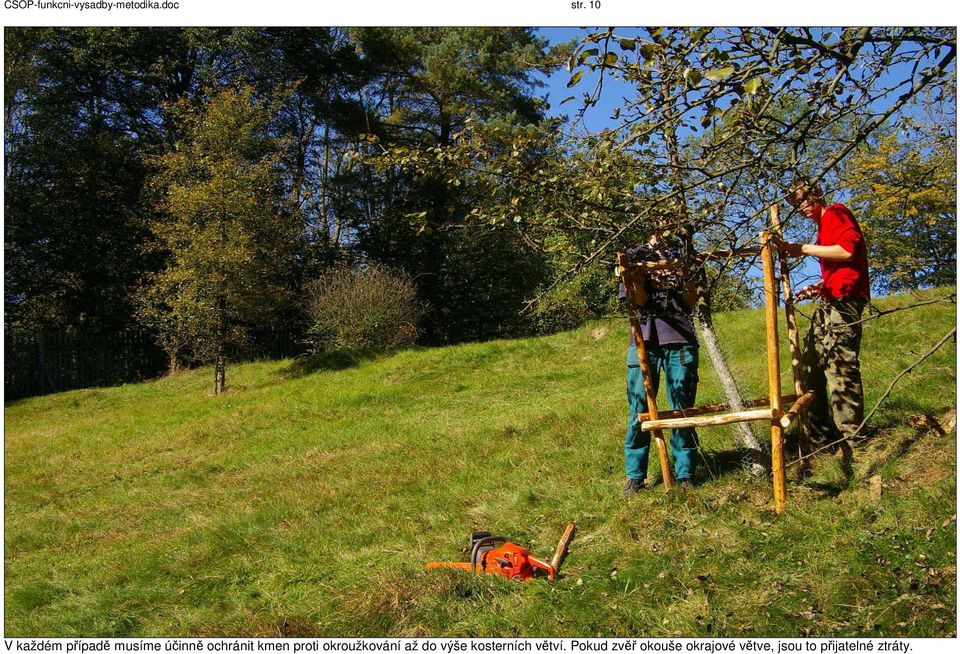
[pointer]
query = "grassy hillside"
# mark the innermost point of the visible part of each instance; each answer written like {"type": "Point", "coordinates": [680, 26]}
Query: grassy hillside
{"type": "Point", "coordinates": [307, 499]}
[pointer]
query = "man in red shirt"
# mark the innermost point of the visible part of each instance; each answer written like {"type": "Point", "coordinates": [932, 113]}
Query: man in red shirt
{"type": "Point", "coordinates": [831, 353]}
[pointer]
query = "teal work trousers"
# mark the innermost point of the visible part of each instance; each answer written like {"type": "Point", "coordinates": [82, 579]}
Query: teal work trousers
{"type": "Point", "coordinates": [678, 363]}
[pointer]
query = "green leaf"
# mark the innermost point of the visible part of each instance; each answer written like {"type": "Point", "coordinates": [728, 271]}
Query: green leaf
{"type": "Point", "coordinates": [693, 76]}
{"type": "Point", "coordinates": [628, 44]}
{"type": "Point", "coordinates": [752, 85]}
{"type": "Point", "coordinates": [697, 35]}
{"type": "Point", "coordinates": [708, 118]}
{"type": "Point", "coordinates": [719, 74]}
{"type": "Point", "coordinates": [586, 54]}
{"type": "Point", "coordinates": [647, 50]}
{"type": "Point", "coordinates": [610, 59]}
{"type": "Point", "coordinates": [566, 100]}
{"type": "Point", "coordinates": [576, 78]}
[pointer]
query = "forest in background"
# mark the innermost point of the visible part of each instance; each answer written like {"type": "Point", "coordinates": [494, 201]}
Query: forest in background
{"type": "Point", "coordinates": [199, 185]}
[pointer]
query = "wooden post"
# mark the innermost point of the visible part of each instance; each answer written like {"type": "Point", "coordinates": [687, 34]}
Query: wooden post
{"type": "Point", "coordinates": [773, 373]}
{"type": "Point", "coordinates": [629, 283]}
{"type": "Point", "coordinates": [793, 334]}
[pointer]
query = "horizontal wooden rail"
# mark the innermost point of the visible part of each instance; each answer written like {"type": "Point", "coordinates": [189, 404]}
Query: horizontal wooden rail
{"type": "Point", "coordinates": [714, 408]}
{"type": "Point", "coordinates": [700, 256]}
{"type": "Point", "coordinates": [709, 421]}
{"type": "Point", "coordinates": [656, 265]}
{"type": "Point", "coordinates": [727, 254]}
{"type": "Point", "coordinates": [799, 405]}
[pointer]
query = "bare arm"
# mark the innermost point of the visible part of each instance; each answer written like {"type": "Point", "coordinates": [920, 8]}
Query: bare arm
{"type": "Point", "coordinates": [828, 252]}
{"type": "Point", "coordinates": [637, 278]}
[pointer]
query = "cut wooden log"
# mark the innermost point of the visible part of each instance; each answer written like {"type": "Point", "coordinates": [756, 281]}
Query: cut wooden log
{"type": "Point", "coordinates": [708, 421]}
{"type": "Point", "coordinates": [563, 546]}
{"type": "Point", "coordinates": [715, 408]}
{"type": "Point", "coordinates": [799, 405]}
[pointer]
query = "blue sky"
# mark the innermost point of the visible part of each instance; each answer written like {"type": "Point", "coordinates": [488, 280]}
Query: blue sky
{"type": "Point", "coordinates": [598, 117]}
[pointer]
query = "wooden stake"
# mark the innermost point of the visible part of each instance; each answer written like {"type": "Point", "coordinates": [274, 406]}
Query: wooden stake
{"type": "Point", "coordinates": [773, 373]}
{"type": "Point", "coordinates": [793, 334]}
{"type": "Point", "coordinates": [562, 547]}
{"type": "Point", "coordinates": [716, 408]}
{"type": "Point", "coordinates": [796, 408]}
{"type": "Point", "coordinates": [708, 421]}
{"type": "Point", "coordinates": [629, 283]}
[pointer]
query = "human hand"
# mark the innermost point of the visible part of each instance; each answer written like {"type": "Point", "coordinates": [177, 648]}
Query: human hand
{"type": "Point", "coordinates": [788, 248]}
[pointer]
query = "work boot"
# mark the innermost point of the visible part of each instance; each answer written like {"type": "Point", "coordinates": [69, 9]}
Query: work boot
{"type": "Point", "coordinates": [633, 487]}
{"type": "Point", "coordinates": [685, 484]}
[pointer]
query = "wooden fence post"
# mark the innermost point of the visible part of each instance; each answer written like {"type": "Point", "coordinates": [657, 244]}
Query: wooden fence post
{"type": "Point", "coordinates": [793, 336]}
{"type": "Point", "coordinates": [773, 372]}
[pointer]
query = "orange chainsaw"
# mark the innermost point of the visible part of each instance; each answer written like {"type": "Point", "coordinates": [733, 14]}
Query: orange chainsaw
{"type": "Point", "coordinates": [508, 559]}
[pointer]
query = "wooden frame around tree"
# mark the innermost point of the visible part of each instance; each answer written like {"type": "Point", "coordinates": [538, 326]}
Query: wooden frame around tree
{"type": "Point", "coordinates": [771, 407]}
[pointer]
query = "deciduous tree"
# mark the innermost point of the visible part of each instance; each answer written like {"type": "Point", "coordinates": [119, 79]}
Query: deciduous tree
{"type": "Point", "coordinates": [226, 237]}
{"type": "Point", "coordinates": [904, 184]}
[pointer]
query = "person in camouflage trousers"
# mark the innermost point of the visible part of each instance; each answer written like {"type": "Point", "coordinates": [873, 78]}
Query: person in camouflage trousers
{"type": "Point", "coordinates": [831, 358]}
{"type": "Point", "coordinates": [831, 353]}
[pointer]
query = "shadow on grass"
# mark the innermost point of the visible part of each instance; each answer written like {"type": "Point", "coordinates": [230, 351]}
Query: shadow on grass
{"type": "Point", "coordinates": [332, 360]}
{"type": "Point", "coordinates": [828, 489]}
{"type": "Point", "coordinates": [724, 462]}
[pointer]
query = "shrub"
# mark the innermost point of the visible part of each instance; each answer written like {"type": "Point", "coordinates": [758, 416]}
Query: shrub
{"type": "Point", "coordinates": [561, 309]}
{"type": "Point", "coordinates": [599, 289]}
{"type": "Point", "coordinates": [371, 308]}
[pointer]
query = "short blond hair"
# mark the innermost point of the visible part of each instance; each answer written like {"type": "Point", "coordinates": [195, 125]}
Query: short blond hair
{"type": "Point", "coordinates": [802, 189]}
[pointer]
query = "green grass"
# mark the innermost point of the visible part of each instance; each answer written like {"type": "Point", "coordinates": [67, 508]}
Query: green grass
{"type": "Point", "coordinates": [306, 500]}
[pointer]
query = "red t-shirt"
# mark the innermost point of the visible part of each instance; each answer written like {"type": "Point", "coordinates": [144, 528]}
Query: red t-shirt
{"type": "Point", "coordinates": [843, 278]}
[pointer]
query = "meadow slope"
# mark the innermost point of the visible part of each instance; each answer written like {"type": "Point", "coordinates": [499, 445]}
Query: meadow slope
{"type": "Point", "coordinates": [306, 500]}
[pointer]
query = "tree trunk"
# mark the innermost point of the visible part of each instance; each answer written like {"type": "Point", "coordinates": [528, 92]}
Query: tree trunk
{"type": "Point", "coordinates": [220, 375]}
{"type": "Point", "coordinates": [704, 312]}
{"type": "Point", "coordinates": [747, 438]}
{"type": "Point", "coordinates": [174, 365]}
